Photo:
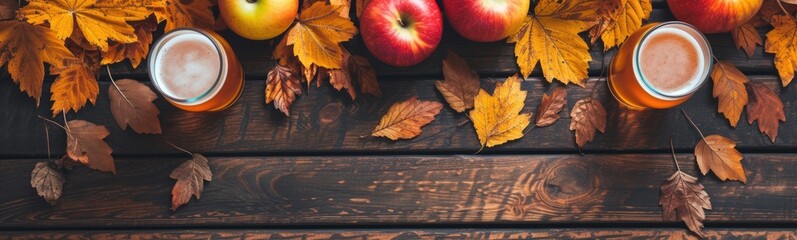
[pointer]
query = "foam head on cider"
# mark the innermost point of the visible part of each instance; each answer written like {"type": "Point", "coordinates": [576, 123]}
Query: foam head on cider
{"type": "Point", "coordinates": [672, 61]}
{"type": "Point", "coordinates": [187, 66]}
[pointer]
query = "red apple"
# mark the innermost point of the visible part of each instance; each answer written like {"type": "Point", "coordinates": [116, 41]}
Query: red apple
{"type": "Point", "coordinates": [401, 32]}
{"type": "Point", "coordinates": [486, 20]}
{"type": "Point", "coordinates": [714, 16]}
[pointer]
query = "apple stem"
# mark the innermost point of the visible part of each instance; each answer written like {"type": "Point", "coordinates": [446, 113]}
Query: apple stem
{"type": "Point", "coordinates": [401, 22]}
{"type": "Point", "coordinates": [251, 1]}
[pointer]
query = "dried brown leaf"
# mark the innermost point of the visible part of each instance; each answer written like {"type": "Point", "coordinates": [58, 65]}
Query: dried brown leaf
{"type": "Point", "coordinates": [342, 78]}
{"type": "Point", "coordinates": [47, 181]}
{"type": "Point", "coordinates": [8, 9]}
{"type": "Point", "coordinates": [729, 89]}
{"type": "Point", "coordinates": [461, 84]}
{"type": "Point", "coordinates": [718, 154]}
{"type": "Point", "coordinates": [85, 144]}
{"type": "Point", "coordinates": [746, 38]}
{"type": "Point", "coordinates": [404, 120]}
{"type": "Point", "coordinates": [766, 107]}
{"type": "Point", "coordinates": [184, 13]}
{"type": "Point", "coordinates": [136, 51]}
{"type": "Point", "coordinates": [587, 116]}
{"type": "Point", "coordinates": [550, 106]}
{"type": "Point", "coordinates": [364, 75]}
{"type": "Point", "coordinates": [682, 197]}
{"type": "Point", "coordinates": [191, 176]}
{"type": "Point", "coordinates": [282, 87]}
{"type": "Point", "coordinates": [131, 105]}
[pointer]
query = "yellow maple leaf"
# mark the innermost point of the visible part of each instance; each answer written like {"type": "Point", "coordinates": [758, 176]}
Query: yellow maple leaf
{"type": "Point", "coordinates": [136, 51]}
{"type": "Point", "coordinates": [618, 19]}
{"type": "Point", "coordinates": [72, 88]}
{"type": "Point", "coordinates": [550, 37]}
{"type": "Point", "coordinates": [182, 13]}
{"type": "Point", "coordinates": [317, 34]}
{"type": "Point", "coordinates": [26, 48]}
{"type": "Point", "coordinates": [497, 117]}
{"type": "Point", "coordinates": [782, 41]}
{"type": "Point", "coordinates": [99, 20]}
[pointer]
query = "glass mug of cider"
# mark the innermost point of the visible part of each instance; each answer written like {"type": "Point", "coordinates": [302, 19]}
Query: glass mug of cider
{"type": "Point", "coordinates": [660, 66]}
{"type": "Point", "coordinates": [195, 70]}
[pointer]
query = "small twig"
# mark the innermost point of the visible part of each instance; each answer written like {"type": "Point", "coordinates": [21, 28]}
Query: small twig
{"type": "Point", "coordinates": [117, 86]}
{"type": "Point", "coordinates": [594, 89]}
{"type": "Point", "coordinates": [785, 11]}
{"type": "Point", "coordinates": [673, 155]}
{"type": "Point", "coordinates": [53, 122]}
{"type": "Point", "coordinates": [47, 136]}
{"type": "Point", "coordinates": [529, 130]}
{"type": "Point", "coordinates": [693, 124]}
{"type": "Point", "coordinates": [179, 148]}
{"type": "Point", "coordinates": [480, 150]}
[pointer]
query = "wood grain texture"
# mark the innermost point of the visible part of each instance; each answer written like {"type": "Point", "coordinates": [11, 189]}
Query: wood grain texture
{"type": "Point", "coordinates": [327, 121]}
{"type": "Point", "coordinates": [397, 190]}
{"type": "Point", "coordinates": [412, 234]}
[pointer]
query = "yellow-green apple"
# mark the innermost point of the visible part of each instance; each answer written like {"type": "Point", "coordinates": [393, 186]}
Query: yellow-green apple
{"type": "Point", "coordinates": [401, 32]}
{"type": "Point", "coordinates": [258, 19]}
{"type": "Point", "coordinates": [714, 16]}
{"type": "Point", "coordinates": [486, 20]}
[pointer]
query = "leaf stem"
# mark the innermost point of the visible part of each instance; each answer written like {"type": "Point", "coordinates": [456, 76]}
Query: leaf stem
{"type": "Point", "coordinates": [594, 89]}
{"type": "Point", "coordinates": [672, 148]}
{"type": "Point", "coordinates": [785, 11]}
{"type": "Point", "coordinates": [693, 124]}
{"type": "Point", "coordinates": [47, 136]}
{"type": "Point", "coordinates": [53, 122]}
{"type": "Point", "coordinates": [117, 86]}
{"type": "Point", "coordinates": [529, 130]}
{"type": "Point", "coordinates": [179, 148]}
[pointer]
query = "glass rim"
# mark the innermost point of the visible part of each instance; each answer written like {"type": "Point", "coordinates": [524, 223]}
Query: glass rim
{"type": "Point", "coordinates": [702, 42]}
{"type": "Point", "coordinates": [202, 98]}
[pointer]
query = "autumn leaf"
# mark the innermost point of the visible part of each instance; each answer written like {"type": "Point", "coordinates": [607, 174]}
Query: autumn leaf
{"type": "Point", "coordinates": [8, 9]}
{"type": "Point", "coordinates": [769, 9]}
{"type": "Point", "coordinates": [587, 116]}
{"type": "Point", "coordinates": [136, 51]}
{"type": "Point", "coordinates": [618, 19]}
{"type": "Point", "coordinates": [184, 13]}
{"type": "Point", "coordinates": [683, 198]}
{"type": "Point", "coordinates": [282, 87]}
{"type": "Point", "coordinates": [26, 48]}
{"type": "Point", "coordinates": [461, 84]}
{"type": "Point", "coordinates": [90, 57]}
{"type": "Point", "coordinates": [72, 88]}
{"type": "Point", "coordinates": [782, 41]}
{"type": "Point", "coordinates": [342, 78]}
{"type": "Point", "coordinates": [191, 176]}
{"type": "Point", "coordinates": [718, 154]}
{"type": "Point", "coordinates": [360, 6]}
{"type": "Point", "coordinates": [316, 35]}
{"type": "Point", "coordinates": [550, 37]}
{"type": "Point", "coordinates": [550, 106]}
{"type": "Point", "coordinates": [85, 144]}
{"type": "Point", "coordinates": [729, 88]}
{"type": "Point", "coordinates": [99, 20]}
{"type": "Point", "coordinates": [404, 120]}
{"type": "Point", "coordinates": [343, 7]}
{"type": "Point", "coordinates": [131, 105]}
{"type": "Point", "coordinates": [746, 38]}
{"type": "Point", "coordinates": [497, 117]}
{"type": "Point", "coordinates": [364, 75]}
{"type": "Point", "coordinates": [48, 182]}
{"type": "Point", "coordinates": [765, 107]}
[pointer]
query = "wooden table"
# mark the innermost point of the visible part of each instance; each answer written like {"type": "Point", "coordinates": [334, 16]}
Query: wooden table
{"type": "Point", "coordinates": [311, 174]}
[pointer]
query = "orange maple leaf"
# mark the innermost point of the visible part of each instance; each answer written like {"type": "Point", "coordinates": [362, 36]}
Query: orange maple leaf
{"type": "Point", "coordinates": [182, 13]}
{"type": "Point", "coordinates": [26, 48]}
{"type": "Point", "coordinates": [73, 87]}
{"type": "Point", "coordinates": [136, 51]}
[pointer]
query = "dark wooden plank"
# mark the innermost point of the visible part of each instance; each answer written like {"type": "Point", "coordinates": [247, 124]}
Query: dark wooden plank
{"type": "Point", "coordinates": [397, 190]}
{"type": "Point", "coordinates": [326, 121]}
{"type": "Point", "coordinates": [407, 234]}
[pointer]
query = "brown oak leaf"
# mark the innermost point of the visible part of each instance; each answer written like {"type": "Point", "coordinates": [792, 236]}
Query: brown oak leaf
{"type": "Point", "coordinates": [26, 48]}
{"type": "Point", "coordinates": [746, 38]}
{"type": "Point", "coordinates": [682, 197]}
{"type": "Point", "coordinates": [550, 106]}
{"type": "Point", "coordinates": [136, 51]}
{"type": "Point", "coordinates": [99, 20]}
{"type": "Point", "coordinates": [342, 78]}
{"type": "Point", "coordinates": [461, 84]}
{"type": "Point", "coordinates": [497, 118]}
{"type": "Point", "coordinates": [72, 88]}
{"type": "Point", "coordinates": [191, 176]}
{"type": "Point", "coordinates": [85, 144]}
{"type": "Point", "coordinates": [47, 181]}
{"type": "Point", "coordinates": [729, 89]}
{"type": "Point", "coordinates": [404, 120]}
{"type": "Point", "coordinates": [587, 116]}
{"type": "Point", "coordinates": [131, 105]}
{"type": "Point", "coordinates": [316, 36]}
{"type": "Point", "coordinates": [185, 13]}
{"type": "Point", "coordinates": [718, 154]}
{"type": "Point", "coordinates": [282, 87]}
{"type": "Point", "coordinates": [782, 41]}
{"type": "Point", "coordinates": [767, 108]}
{"type": "Point", "coordinates": [618, 19]}
{"type": "Point", "coordinates": [364, 75]}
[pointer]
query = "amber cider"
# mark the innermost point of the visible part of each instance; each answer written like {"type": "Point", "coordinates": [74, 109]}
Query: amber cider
{"type": "Point", "coordinates": [660, 66]}
{"type": "Point", "coordinates": [195, 70]}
